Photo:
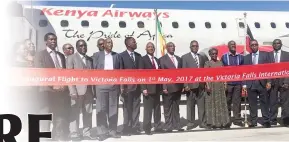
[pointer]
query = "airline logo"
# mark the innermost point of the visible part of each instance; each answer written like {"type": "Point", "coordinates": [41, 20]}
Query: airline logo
{"type": "Point", "coordinates": [107, 13]}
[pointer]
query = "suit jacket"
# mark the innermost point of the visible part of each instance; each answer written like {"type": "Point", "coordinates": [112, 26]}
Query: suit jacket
{"type": "Point", "coordinates": [98, 63]}
{"type": "Point", "coordinates": [188, 61]}
{"type": "Point", "coordinates": [166, 63]}
{"type": "Point", "coordinates": [75, 62]}
{"type": "Point", "coordinates": [283, 58]}
{"type": "Point", "coordinates": [44, 60]}
{"type": "Point", "coordinates": [146, 63]}
{"type": "Point", "coordinates": [263, 59]}
{"type": "Point", "coordinates": [128, 63]}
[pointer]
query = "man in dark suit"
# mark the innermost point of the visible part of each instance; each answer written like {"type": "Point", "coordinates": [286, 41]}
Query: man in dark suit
{"type": "Point", "coordinates": [81, 95]}
{"type": "Point", "coordinates": [57, 96]}
{"type": "Point", "coordinates": [194, 91]}
{"type": "Point", "coordinates": [234, 89]}
{"type": "Point", "coordinates": [171, 92]}
{"type": "Point", "coordinates": [151, 92]}
{"type": "Point", "coordinates": [257, 88]}
{"type": "Point", "coordinates": [279, 86]}
{"type": "Point", "coordinates": [131, 93]}
{"type": "Point", "coordinates": [107, 95]}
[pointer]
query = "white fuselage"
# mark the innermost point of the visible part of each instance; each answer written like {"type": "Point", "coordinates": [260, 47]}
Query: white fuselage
{"type": "Point", "coordinates": [191, 26]}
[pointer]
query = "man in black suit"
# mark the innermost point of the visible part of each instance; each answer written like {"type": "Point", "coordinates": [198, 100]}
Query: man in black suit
{"type": "Point", "coordinates": [131, 93]}
{"type": "Point", "coordinates": [279, 86]}
{"type": "Point", "coordinates": [151, 92]}
{"type": "Point", "coordinates": [171, 92]}
{"type": "Point", "coordinates": [194, 91]}
{"type": "Point", "coordinates": [257, 87]}
{"type": "Point", "coordinates": [57, 97]}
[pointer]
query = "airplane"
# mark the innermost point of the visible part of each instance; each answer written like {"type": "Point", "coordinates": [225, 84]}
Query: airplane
{"type": "Point", "coordinates": [211, 28]}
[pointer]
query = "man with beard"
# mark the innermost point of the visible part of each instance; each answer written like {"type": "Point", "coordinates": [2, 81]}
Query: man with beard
{"type": "Point", "coordinates": [171, 92]}
{"type": "Point", "coordinates": [54, 99]}
{"type": "Point", "coordinates": [107, 95]}
{"type": "Point", "coordinates": [81, 95]}
{"type": "Point", "coordinates": [280, 85]}
{"type": "Point", "coordinates": [234, 89]}
{"type": "Point", "coordinates": [131, 93]}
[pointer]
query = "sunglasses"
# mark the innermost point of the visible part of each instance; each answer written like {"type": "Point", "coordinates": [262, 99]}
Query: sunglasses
{"type": "Point", "coordinates": [254, 44]}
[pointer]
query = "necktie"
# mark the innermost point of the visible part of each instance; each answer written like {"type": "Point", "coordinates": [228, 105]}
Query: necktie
{"type": "Point", "coordinates": [276, 57]}
{"type": "Point", "coordinates": [56, 61]}
{"type": "Point", "coordinates": [84, 60]}
{"type": "Point", "coordinates": [131, 55]}
{"type": "Point", "coordinates": [173, 60]}
{"type": "Point", "coordinates": [153, 63]}
{"type": "Point", "coordinates": [196, 59]}
{"type": "Point", "coordinates": [254, 58]}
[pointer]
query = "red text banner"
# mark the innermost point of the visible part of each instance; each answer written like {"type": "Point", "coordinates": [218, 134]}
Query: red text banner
{"type": "Point", "coordinates": [45, 77]}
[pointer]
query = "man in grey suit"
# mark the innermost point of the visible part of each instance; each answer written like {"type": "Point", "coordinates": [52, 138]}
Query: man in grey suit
{"type": "Point", "coordinates": [107, 95]}
{"type": "Point", "coordinates": [81, 95]}
{"type": "Point", "coordinates": [194, 90]}
{"type": "Point", "coordinates": [171, 92]}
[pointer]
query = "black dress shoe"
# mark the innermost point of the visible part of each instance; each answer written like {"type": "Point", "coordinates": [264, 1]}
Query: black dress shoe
{"type": "Point", "coordinates": [102, 137]}
{"type": "Point", "coordinates": [159, 131]}
{"type": "Point", "coordinates": [89, 137]}
{"type": "Point", "coordinates": [273, 123]}
{"type": "Point", "coordinates": [266, 125]}
{"type": "Point", "coordinates": [190, 127]}
{"type": "Point", "coordinates": [148, 132]}
{"type": "Point", "coordinates": [181, 130]}
{"type": "Point", "coordinates": [168, 130]}
{"type": "Point", "coordinates": [126, 133]}
{"type": "Point", "coordinates": [114, 135]}
{"type": "Point", "coordinates": [241, 124]}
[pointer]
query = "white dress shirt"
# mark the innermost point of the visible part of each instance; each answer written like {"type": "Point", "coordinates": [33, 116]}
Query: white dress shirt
{"type": "Point", "coordinates": [175, 60]}
{"type": "Point", "coordinates": [82, 58]}
{"type": "Point", "coordinates": [278, 54]}
{"type": "Point", "coordinates": [108, 61]}
{"type": "Point", "coordinates": [51, 53]}
{"type": "Point", "coordinates": [156, 63]}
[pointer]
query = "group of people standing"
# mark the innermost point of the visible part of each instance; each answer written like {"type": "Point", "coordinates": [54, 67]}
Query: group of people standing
{"type": "Point", "coordinates": [215, 100]}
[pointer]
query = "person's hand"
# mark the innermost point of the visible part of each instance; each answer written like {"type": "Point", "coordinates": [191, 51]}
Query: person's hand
{"type": "Point", "coordinates": [74, 96]}
{"type": "Point", "coordinates": [187, 88]}
{"type": "Point", "coordinates": [268, 86]}
{"type": "Point", "coordinates": [165, 91]}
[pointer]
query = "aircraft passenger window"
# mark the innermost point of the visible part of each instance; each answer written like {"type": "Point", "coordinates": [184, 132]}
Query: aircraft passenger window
{"type": "Point", "coordinates": [223, 24]}
{"type": "Point", "coordinates": [64, 23]}
{"type": "Point", "coordinates": [43, 23]}
{"type": "Point", "coordinates": [84, 23]}
{"type": "Point", "coordinates": [241, 25]}
{"type": "Point", "coordinates": [175, 25]}
{"type": "Point", "coordinates": [287, 25]}
{"type": "Point", "coordinates": [208, 25]}
{"type": "Point", "coordinates": [192, 25]}
{"type": "Point", "coordinates": [122, 24]}
{"type": "Point", "coordinates": [257, 25]}
{"type": "Point", "coordinates": [140, 24]}
{"type": "Point", "coordinates": [273, 25]}
{"type": "Point", "coordinates": [104, 24]}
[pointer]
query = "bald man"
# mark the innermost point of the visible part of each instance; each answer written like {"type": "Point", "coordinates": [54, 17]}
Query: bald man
{"type": "Point", "coordinates": [100, 44]}
{"type": "Point", "coordinates": [151, 92]}
{"type": "Point", "coordinates": [171, 92]}
{"type": "Point", "coordinates": [68, 49]}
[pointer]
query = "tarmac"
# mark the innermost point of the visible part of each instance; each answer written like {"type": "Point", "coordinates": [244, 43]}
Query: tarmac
{"type": "Point", "coordinates": [235, 133]}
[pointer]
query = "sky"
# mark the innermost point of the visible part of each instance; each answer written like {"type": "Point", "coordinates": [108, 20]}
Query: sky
{"type": "Point", "coordinates": [193, 5]}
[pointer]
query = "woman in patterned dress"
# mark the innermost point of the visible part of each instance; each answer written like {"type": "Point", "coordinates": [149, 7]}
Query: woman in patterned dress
{"type": "Point", "coordinates": [215, 100]}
